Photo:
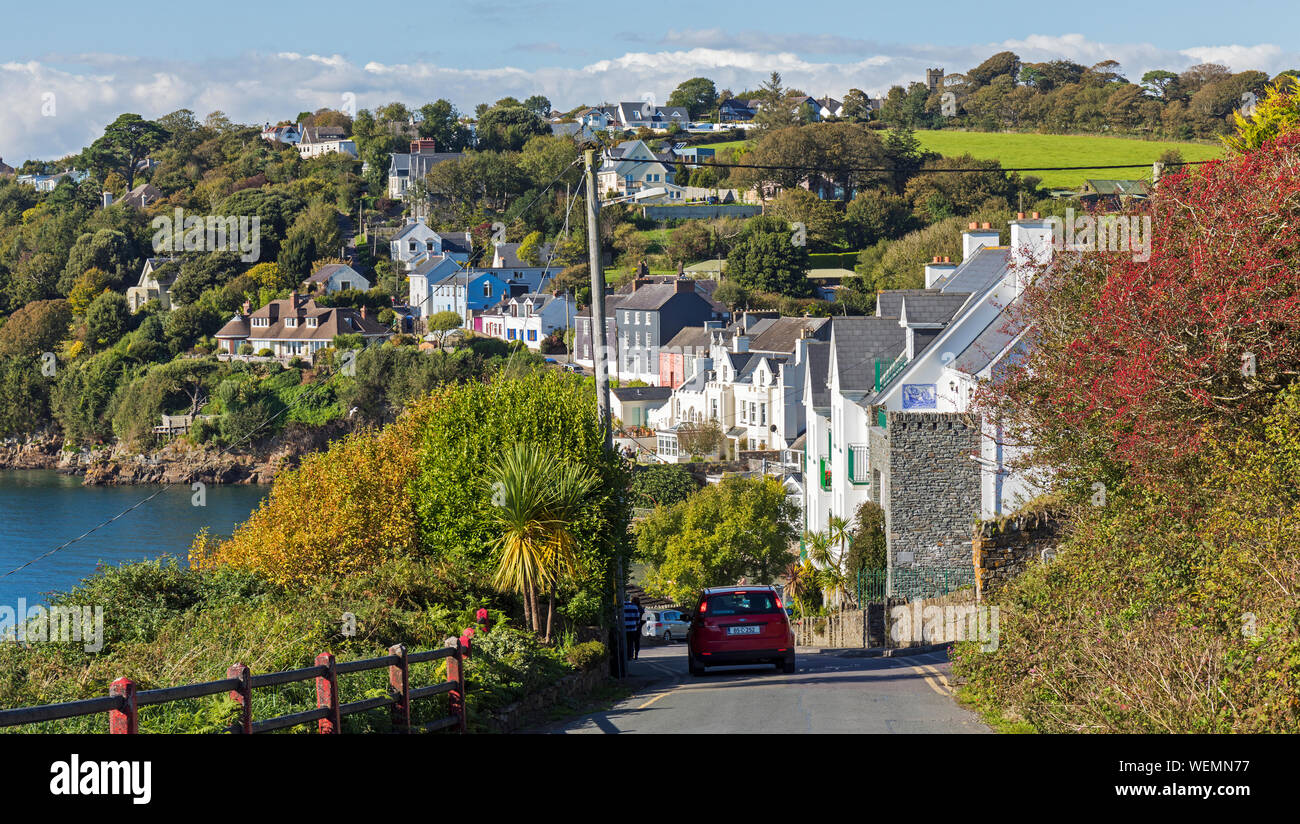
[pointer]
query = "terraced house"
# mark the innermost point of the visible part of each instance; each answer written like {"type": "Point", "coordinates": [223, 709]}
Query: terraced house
{"type": "Point", "coordinates": [891, 417]}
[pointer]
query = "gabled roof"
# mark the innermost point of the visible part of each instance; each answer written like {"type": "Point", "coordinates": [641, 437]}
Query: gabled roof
{"type": "Point", "coordinates": [889, 302]}
{"type": "Point", "coordinates": [979, 271]}
{"type": "Point", "coordinates": [655, 296]}
{"type": "Point", "coordinates": [932, 309]}
{"type": "Point", "coordinates": [782, 334]}
{"type": "Point", "coordinates": [509, 253]}
{"type": "Point", "coordinates": [327, 271]}
{"type": "Point", "coordinates": [859, 342]}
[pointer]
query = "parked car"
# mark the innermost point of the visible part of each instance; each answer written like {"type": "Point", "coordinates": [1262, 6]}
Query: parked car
{"type": "Point", "coordinates": [667, 625]}
{"type": "Point", "coordinates": [740, 625]}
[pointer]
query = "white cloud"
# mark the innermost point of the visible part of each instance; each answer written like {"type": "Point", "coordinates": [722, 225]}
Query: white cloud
{"type": "Point", "coordinates": [91, 89]}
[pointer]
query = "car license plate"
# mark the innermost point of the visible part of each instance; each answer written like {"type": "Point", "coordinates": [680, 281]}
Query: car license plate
{"type": "Point", "coordinates": [753, 629]}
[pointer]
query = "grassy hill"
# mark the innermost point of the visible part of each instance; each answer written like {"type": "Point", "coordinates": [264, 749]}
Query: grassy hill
{"type": "Point", "coordinates": [1019, 150]}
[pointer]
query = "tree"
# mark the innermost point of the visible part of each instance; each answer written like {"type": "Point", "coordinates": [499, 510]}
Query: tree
{"type": "Point", "coordinates": [822, 222]}
{"type": "Point", "coordinates": [775, 111]}
{"type": "Point", "coordinates": [508, 127]}
{"type": "Point", "coordinates": [1002, 64]}
{"type": "Point", "coordinates": [1277, 113]}
{"type": "Point", "coordinates": [770, 258]}
{"type": "Point", "coordinates": [440, 323]}
{"type": "Point", "coordinates": [662, 485]}
{"type": "Point", "coordinates": [36, 328]}
{"type": "Point", "coordinates": [539, 105]}
{"type": "Point", "coordinates": [107, 319]}
{"type": "Point", "coordinates": [535, 499]}
{"type": "Point", "coordinates": [1158, 82]}
{"type": "Point", "coordinates": [738, 528]}
{"type": "Point", "coordinates": [857, 106]}
{"type": "Point", "coordinates": [700, 438]}
{"type": "Point", "coordinates": [125, 142]}
{"type": "Point", "coordinates": [441, 122]}
{"type": "Point", "coordinates": [698, 95]}
{"type": "Point", "coordinates": [731, 295]}
{"type": "Point", "coordinates": [868, 549]}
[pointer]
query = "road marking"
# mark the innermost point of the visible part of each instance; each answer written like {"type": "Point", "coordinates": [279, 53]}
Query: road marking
{"type": "Point", "coordinates": [656, 698]}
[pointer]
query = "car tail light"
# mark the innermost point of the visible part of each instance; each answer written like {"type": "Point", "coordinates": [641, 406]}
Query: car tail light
{"type": "Point", "coordinates": [778, 603]}
{"type": "Point", "coordinates": [704, 607]}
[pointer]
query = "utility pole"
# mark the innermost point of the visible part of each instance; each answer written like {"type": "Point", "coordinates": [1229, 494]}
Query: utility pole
{"type": "Point", "coordinates": [600, 357]}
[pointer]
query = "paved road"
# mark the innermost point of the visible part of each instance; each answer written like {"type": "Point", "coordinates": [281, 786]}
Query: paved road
{"type": "Point", "coordinates": [828, 694]}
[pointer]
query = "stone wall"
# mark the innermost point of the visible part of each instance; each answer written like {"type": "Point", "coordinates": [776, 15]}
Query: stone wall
{"type": "Point", "coordinates": [868, 628]}
{"type": "Point", "coordinates": [1003, 549]}
{"type": "Point", "coordinates": [932, 490]}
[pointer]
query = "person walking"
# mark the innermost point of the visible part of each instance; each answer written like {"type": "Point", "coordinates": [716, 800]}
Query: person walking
{"type": "Point", "coordinates": [633, 619]}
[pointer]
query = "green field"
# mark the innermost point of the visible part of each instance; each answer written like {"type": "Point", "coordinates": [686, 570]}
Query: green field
{"type": "Point", "coordinates": [726, 144]}
{"type": "Point", "coordinates": [1021, 150]}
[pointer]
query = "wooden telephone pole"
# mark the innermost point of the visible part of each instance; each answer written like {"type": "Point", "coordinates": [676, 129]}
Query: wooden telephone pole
{"type": "Point", "coordinates": [600, 357]}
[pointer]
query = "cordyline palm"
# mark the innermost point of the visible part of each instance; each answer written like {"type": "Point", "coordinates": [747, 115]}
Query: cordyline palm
{"type": "Point", "coordinates": [798, 583]}
{"type": "Point", "coordinates": [535, 500]}
{"type": "Point", "coordinates": [829, 573]}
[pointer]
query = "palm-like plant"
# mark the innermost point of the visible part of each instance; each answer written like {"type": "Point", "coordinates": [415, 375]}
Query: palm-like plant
{"type": "Point", "coordinates": [535, 501]}
{"type": "Point", "coordinates": [830, 572]}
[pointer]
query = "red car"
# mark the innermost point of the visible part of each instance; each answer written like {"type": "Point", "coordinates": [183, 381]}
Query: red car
{"type": "Point", "coordinates": [739, 625]}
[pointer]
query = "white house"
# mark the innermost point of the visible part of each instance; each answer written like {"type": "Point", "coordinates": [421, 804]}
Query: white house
{"type": "Point", "coordinates": [631, 166]}
{"type": "Point", "coordinates": [892, 424]}
{"type": "Point", "coordinates": [530, 317]}
{"type": "Point", "coordinates": [297, 327]}
{"type": "Point", "coordinates": [416, 241]}
{"type": "Point", "coordinates": [334, 277]}
{"type": "Point", "coordinates": [323, 140]}
{"type": "Point", "coordinates": [153, 285]}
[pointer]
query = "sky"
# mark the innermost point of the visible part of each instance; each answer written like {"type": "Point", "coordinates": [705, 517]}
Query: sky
{"type": "Point", "coordinates": [69, 68]}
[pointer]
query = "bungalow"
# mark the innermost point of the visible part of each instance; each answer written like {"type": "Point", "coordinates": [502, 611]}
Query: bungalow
{"type": "Point", "coordinates": [335, 277]}
{"type": "Point", "coordinates": [296, 326]}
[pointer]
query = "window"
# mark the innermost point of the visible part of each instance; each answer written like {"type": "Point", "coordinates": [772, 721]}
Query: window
{"type": "Point", "coordinates": [742, 603]}
{"type": "Point", "coordinates": [487, 290]}
{"type": "Point", "coordinates": [532, 334]}
{"type": "Point", "coordinates": [312, 323]}
{"type": "Point", "coordinates": [762, 414]}
{"type": "Point", "coordinates": [347, 284]}
{"type": "Point", "coordinates": [292, 323]}
{"type": "Point", "coordinates": [410, 246]}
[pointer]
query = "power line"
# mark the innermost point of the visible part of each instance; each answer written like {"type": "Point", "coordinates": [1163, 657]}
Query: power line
{"type": "Point", "coordinates": [922, 171]}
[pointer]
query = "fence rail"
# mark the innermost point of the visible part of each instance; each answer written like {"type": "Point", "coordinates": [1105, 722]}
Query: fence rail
{"type": "Point", "coordinates": [880, 585]}
{"type": "Point", "coordinates": [123, 701]}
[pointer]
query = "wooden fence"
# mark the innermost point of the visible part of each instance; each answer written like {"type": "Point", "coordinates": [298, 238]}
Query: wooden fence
{"type": "Point", "coordinates": [123, 701]}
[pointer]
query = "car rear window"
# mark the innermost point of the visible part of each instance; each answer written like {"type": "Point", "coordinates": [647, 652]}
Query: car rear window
{"type": "Point", "coordinates": [741, 603]}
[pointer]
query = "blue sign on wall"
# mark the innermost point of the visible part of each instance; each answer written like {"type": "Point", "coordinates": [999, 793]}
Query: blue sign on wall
{"type": "Point", "coordinates": [919, 396]}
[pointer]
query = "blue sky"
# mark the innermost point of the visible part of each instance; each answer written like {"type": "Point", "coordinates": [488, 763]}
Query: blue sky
{"type": "Point", "coordinates": [267, 61]}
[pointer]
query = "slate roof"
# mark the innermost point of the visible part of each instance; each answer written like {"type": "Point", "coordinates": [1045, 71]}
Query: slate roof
{"type": "Point", "coordinates": [641, 393]}
{"type": "Point", "coordinates": [979, 271]}
{"type": "Point", "coordinates": [509, 253]}
{"type": "Point", "coordinates": [654, 296]}
{"type": "Point", "coordinates": [781, 334]}
{"type": "Point", "coordinates": [690, 337]}
{"type": "Point", "coordinates": [889, 302]}
{"type": "Point", "coordinates": [934, 308]}
{"type": "Point", "coordinates": [325, 272]}
{"type": "Point", "coordinates": [861, 341]}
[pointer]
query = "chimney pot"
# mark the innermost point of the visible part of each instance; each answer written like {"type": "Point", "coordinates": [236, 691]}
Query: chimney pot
{"type": "Point", "coordinates": [947, 259]}
{"type": "Point", "coordinates": [1035, 215]}
{"type": "Point", "coordinates": [974, 225]}
{"type": "Point", "coordinates": [1020, 215]}
{"type": "Point", "coordinates": [987, 225]}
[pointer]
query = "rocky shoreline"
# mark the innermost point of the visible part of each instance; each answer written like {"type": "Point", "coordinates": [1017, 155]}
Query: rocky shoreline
{"type": "Point", "coordinates": [176, 462]}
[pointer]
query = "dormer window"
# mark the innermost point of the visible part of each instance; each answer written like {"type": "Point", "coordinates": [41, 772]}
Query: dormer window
{"type": "Point", "coordinates": [291, 323]}
{"type": "Point", "coordinates": [312, 323]}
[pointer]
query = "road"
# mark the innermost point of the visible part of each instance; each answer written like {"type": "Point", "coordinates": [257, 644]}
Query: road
{"type": "Point", "coordinates": [828, 694]}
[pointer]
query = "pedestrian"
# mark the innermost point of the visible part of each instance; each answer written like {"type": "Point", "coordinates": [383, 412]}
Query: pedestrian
{"type": "Point", "coordinates": [633, 619]}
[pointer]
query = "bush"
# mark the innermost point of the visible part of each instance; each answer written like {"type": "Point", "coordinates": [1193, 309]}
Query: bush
{"type": "Point", "coordinates": [587, 655]}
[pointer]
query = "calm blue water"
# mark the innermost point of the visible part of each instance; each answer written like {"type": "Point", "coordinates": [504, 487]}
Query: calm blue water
{"type": "Point", "coordinates": [41, 509]}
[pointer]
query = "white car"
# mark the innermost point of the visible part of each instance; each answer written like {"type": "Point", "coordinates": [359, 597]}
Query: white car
{"type": "Point", "coordinates": [667, 625]}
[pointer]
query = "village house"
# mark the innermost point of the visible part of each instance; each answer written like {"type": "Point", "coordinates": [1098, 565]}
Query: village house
{"type": "Point", "coordinates": [322, 140]}
{"type": "Point", "coordinates": [335, 277]}
{"type": "Point", "coordinates": [416, 240]}
{"type": "Point", "coordinates": [631, 166]}
{"type": "Point", "coordinates": [406, 168]}
{"type": "Point", "coordinates": [289, 134]}
{"type": "Point", "coordinates": [634, 405]}
{"type": "Point", "coordinates": [296, 326]}
{"type": "Point", "coordinates": [530, 317]}
{"type": "Point", "coordinates": [153, 284]}
{"type": "Point", "coordinates": [895, 424]}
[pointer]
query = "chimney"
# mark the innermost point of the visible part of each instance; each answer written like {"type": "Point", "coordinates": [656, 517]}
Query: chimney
{"type": "Point", "coordinates": [680, 286]}
{"type": "Point", "coordinates": [740, 343]}
{"type": "Point", "coordinates": [1032, 240]}
{"type": "Point", "coordinates": [637, 283]}
{"type": "Point", "coordinates": [364, 313]}
{"type": "Point", "coordinates": [937, 269]}
{"type": "Point", "coordinates": [977, 236]}
{"type": "Point", "coordinates": [248, 308]}
{"type": "Point", "coordinates": [108, 199]}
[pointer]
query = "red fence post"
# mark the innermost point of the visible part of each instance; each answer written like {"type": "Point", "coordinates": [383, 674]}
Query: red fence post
{"type": "Point", "coordinates": [327, 694]}
{"type": "Point", "coordinates": [125, 721]}
{"type": "Point", "coordinates": [399, 682]}
{"type": "Point", "coordinates": [243, 696]}
{"type": "Point", "coordinates": [456, 675]}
